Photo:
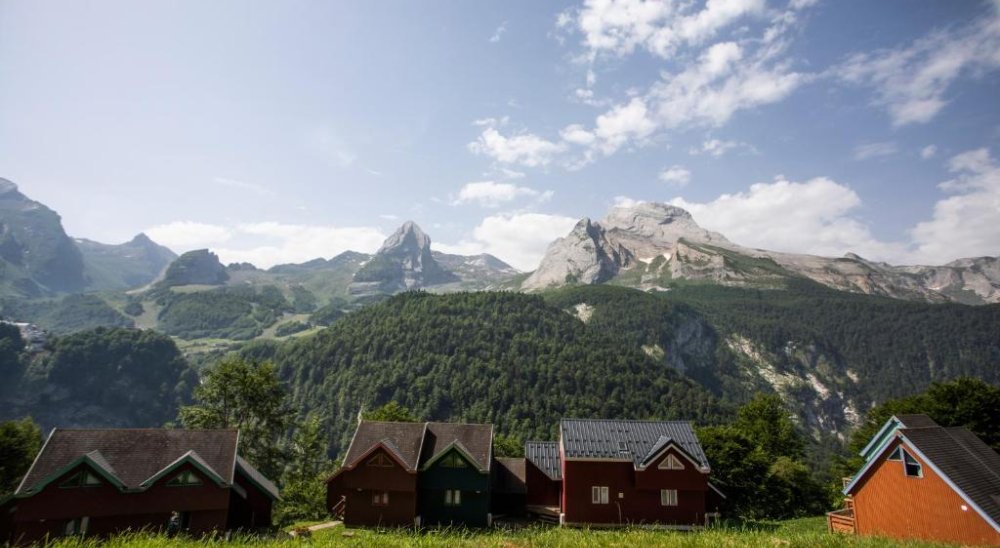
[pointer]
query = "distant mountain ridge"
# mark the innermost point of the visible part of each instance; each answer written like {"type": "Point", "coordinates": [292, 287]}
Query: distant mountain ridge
{"type": "Point", "coordinates": [652, 246]}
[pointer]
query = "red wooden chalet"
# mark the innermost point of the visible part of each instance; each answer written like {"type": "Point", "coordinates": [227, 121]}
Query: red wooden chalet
{"type": "Point", "coordinates": [617, 472]}
{"type": "Point", "coordinates": [377, 484]}
{"type": "Point", "coordinates": [924, 481]}
{"type": "Point", "coordinates": [101, 482]}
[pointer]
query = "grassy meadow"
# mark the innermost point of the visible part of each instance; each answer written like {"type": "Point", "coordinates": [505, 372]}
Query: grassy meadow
{"type": "Point", "coordinates": [807, 532]}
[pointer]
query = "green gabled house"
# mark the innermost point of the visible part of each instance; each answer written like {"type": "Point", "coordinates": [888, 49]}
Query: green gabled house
{"type": "Point", "coordinates": [455, 474]}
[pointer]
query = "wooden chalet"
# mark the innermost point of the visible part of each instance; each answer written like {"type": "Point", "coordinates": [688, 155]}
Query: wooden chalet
{"type": "Point", "coordinates": [403, 474]}
{"type": "Point", "coordinates": [924, 481]}
{"type": "Point", "coordinates": [543, 478]}
{"type": "Point", "coordinates": [617, 472]}
{"type": "Point", "coordinates": [377, 483]}
{"type": "Point", "coordinates": [99, 482]}
{"type": "Point", "coordinates": [454, 481]}
{"type": "Point", "coordinates": [509, 488]}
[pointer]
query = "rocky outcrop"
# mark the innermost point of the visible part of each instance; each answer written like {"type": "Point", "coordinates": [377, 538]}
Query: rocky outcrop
{"type": "Point", "coordinates": [650, 245]}
{"type": "Point", "coordinates": [201, 267]}
{"type": "Point", "coordinates": [403, 262]}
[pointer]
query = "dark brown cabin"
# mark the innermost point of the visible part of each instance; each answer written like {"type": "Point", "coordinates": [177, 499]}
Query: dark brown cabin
{"type": "Point", "coordinates": [100, 482]}
{"type": "Point", "coordinates": [923, 481]}
{"type": "Point", "coordinates": [377, 484]}
{"type": "Point", "coordinates": [620, 472]}
{"type": "Point", "coordinates": [543, 478]}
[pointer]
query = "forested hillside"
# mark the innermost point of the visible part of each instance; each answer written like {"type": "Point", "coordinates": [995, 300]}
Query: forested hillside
{"type": "Point", "coordinates": [505, 358]}
{"type": "Point", "coordinates": [101, 377]}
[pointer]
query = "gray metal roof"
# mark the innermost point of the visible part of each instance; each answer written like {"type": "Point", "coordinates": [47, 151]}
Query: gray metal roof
{"type": "Point", "coordinates": [917, 420]}
{"type": "Point", "coordinates": [971, 465]}
{"type": "Point", "coordinates": [255, 476]}
{"type": "Point", "coordinates": [632, 440]}
{"type": "Point", "coordinates": [545, 456]}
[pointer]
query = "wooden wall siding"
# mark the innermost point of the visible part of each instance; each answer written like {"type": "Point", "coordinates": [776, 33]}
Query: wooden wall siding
{"type": "Point", "coordinates": [628, 503]}
{"type": "Point", "coordinates": [542, 491]}
{"type": "Point", "coordinates": [359, 483]}
{"type": "Point", "coordinates": [475, 487]}
{"type": "Point", "coordinates": [888, 503]}
{"type": "Point", "coordinates": [111, 511]}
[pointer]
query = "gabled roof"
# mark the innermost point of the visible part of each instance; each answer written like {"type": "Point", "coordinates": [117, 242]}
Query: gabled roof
{"type": "Point", "coordinates": [130, 456]}
{"type": "Point", "coordinates": [402, 439]}
{"type": "Point", "coordinates": [605, 439]}
{"type": "Point", "coordinates": [474, 441]}
{"type": "Point", "coordinates": [545, 456]}
{"type": "Point", "coordinates": [258, 479]}
{"type": "Point", "coordinates": [508, 476]}
{"type": "Point", "coordinates": [959, 457]}
{"type": "Point", "coordinates": [658, 448]}
{"type": "Point", "coordinates": [889, 428]}
{"type": "Point", "coordinates": [191, 457]}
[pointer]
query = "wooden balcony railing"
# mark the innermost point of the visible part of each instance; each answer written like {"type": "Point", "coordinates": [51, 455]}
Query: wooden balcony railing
{"type": "Point", "coordinates": [841, 521]}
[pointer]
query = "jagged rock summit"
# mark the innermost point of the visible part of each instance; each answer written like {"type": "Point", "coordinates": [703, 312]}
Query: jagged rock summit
{"type": "Point", "coordinates": [652, 245]}
{"type": "Point", "coordinates": [403, 262]}
{"type": "Point", "coordinates": [200, 266]}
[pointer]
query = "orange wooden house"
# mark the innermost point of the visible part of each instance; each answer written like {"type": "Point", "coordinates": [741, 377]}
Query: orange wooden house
{"type": "Point", "coordinates": [924, 481]}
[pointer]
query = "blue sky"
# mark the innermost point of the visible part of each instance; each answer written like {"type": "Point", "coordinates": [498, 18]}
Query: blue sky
{"type": "Point", "coordinates": [277, 132]}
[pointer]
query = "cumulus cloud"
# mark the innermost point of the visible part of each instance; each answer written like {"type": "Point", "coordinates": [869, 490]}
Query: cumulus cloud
{"type": "Point", "coordinates": [676, 176]}
{"type": "Point", "coordinates": [874, 150]}
{"type": "Point", "coordinates": [912, 81]}
{"type": "Point", "coordinates": [928, 152]}
{"type": "Point", "coordinates": [812, 217]}
{"type": "Point", "coordinates": [524, 149]}
{"type": "Point", "coordinates": [966, 224]}
{"type": "Point", "coordinates": [493, 194]}
{"type": "Point", "coordinates": [625, 201]}
{"type": "Point", "coordinates": [187, 235]}
{"type": "Point", "coordinates": [520, 239]}
{"type": "Point", "coordinates": [266, 244]}
{"type": "Point", "coordinates": [619, 27]}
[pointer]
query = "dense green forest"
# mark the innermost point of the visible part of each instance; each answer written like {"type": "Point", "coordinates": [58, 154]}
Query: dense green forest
{"type": "Point", "coordinates": [102, 377]}
{"type": "Point", "coordinates": [239, 313]}
{"type": "Point", "coordinates": [506, 358]}
{"type": "Point", "coordinates": [66, 315]}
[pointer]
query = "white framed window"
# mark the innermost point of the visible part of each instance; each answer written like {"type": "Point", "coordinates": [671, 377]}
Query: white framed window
{"type": "Point", "coordinates": [668, 497]}
{"type": "Point", "coordinates": [622, 446]}
{"type": "Point", "coordinates": [897, 454]}
{"type": "Point", "coordinates": [599, 494]}
{"type": "Point", "coordinates": [185, 478]}
{"type": "Point", "coordinates": [453, 460]}
{"type": "Point", "coordinates": [380, 461]}
{"type": "Point", "coordinates": [452, 497]}
{"type": "Point", "coordinates": [380, 498]}
{"type": "Point", "coordinates": [83, 478]}
{"type": "Point", "coordinates": [671, 463]}
{"type": "Point", "coordinates": [911, 466]}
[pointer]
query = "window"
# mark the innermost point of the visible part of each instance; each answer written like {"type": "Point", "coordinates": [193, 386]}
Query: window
{"type": "Point", "coordinates": [77, 526]}
{"type": "Point", "coordinates": [599, 494]}
{"type": "Point", "coordinates": [380, 460]}
{"type": "Point", "coordinates": [186, 478]}
{"type": "Point", "coordinates": [896, 454]}
{"type": "Point", "coordinates": [380, 498]}
{"type": "Point", "coordinates": [671, 463]}
{"type": "Point", "coordinates": [622, 446]}
{"type": "Point", "coordinates": [912, 467]}
{"type": "Point", "coordinates": [452, 497]}
{"type": "Point", "coordinates": [668, 497]}
{"type": "Point", "coordinates": [83, 478]}
{"type": "Point", "coordinates": [453, 460]}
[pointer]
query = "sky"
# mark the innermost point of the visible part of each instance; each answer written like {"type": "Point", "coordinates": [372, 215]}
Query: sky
{"type": "Point", "coordinates": [276, 132]}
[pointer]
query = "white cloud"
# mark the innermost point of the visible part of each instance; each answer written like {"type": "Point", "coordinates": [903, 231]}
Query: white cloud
{"type": "Point", "coordinates": [625, 201]}
{"type": "Point", "coordinates": [676, 176]}
{"type": "Point", "coordinates": [577, 135]}
{"type": "Point", "coordinates": [266, 244]}
{"type": "Point", "coordinates": [911, 82]}
{"type": "Point", "coordinates": [187, 235]}
{"type": "Point", "coordinates": [520, 239]}
{"type": "Point", "coordinates": [811, 217]}
{"type": "Point", "coordinates": [874, 150]}
{"type": "Point", "coordinates": [619, 27]}
{"type": "Point", "coordinates": [524, 149]}
{"type": "Point", "coordinates": [966, 224]}
{"type": "Point", "coordinates": [498, 34]}
{"type": "Point", "coordinates": [622, 124]}
{"type": "Point", "coordinates": [928, 152]}
{"type": "Point", "coordinates": [718, 147]}
{"type": "Point", "coordinates": [493, 194]}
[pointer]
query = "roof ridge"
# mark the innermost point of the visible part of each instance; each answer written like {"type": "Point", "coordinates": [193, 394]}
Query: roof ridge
{"type": "Point", "coordinates": [490, 424]}
{"type": "Point", "coordinates": [644, 421]}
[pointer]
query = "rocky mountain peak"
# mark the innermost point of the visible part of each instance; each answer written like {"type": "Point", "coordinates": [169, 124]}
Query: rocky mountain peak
{"type": "Point", "coordinates": [408, 236]}
{"type": "Point", "coordinates": [7, 186]}
{"type": "Point", "coordinates": [403, 262]}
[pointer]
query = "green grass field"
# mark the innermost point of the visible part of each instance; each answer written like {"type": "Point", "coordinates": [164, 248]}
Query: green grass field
{"type": "Point", "coordinates": [801, 532]}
